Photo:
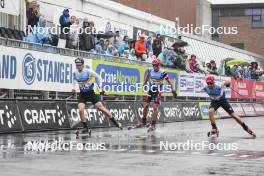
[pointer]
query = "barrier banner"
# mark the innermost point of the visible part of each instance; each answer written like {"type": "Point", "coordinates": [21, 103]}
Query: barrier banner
{"type": "Point", "coordinates": [186, 85]}
{"type": "Point", "coordinates": [121, 79]}
{"type": "Point", "coordinates": [259, 108]}
{"type": "Point", "coordinates": [238, 109]}
{"type": "Point", "coordinates": [9, 117]}
{"type": "Point", "coordinates": [199, 85]}
{"type": "Point", "coordinates": [248, 109]}
{"type": "Point", "coordinates": [94, 117]}
{"type": "Point", "coordinates": [34, 70]}
{"type": "Point", "coordinates": [172, 112]}
{"type": "Point", "coordinates": [259, 90]}
{"type": "Point", "coordinates": [123, 112]}
{"type": "Point", "coordinates": [36, 115]}
{"type": "Point", "coordinates": [139, 106]}
{"type": "Point", "coordinates": [243, 88]}
{"type": "Point", "coordinates": [204, 109]}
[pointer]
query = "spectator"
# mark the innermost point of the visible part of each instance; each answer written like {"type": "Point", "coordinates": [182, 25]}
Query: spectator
{"type": "Point", "coordinates": [228, 71]}
{"type": "Point", "coordinates": [234, 71]}
{"type": "Point", "coordinates": [181, 59]}
{"type": "Point", "coordinates": [40, 34]}
{"type": "Point", "coordinates": [151, 57]}
{"type": "Point", "coordinates": [33, 15]}
{"type": "Point", "coordinates": [165, 58]}
{"type": "Point", "coordinates": [256, 73]}
{"type": "Point", "coordinates": [213, 69]}
{"type": "Point", "coordinates": [117, 39]}
{"type": "Point", "coordinates": [247, 73]}
{"type": "Point", "coordinates": [157, 45]}
{"type": "Point", "coordinates": [65, 23]}
{"type": "Point", "coordinates": [132, 55]}
{"type": "Point", "coordinates": [87, 41]}
{"type": "Point", "coordinates": [149, 44]}
{"type": "Point", "coordinates": [107, 48]}
{"type": "Point", "coordinates": [124, 45]}
{"type": "Point", "coordinates": [126, 54]}
{"type": "Point", "coordinates": [193, 65]}
{"type": "Point", "coordinates": [140, 48]}
{"type": "Point", "coordinates": [72, 42]}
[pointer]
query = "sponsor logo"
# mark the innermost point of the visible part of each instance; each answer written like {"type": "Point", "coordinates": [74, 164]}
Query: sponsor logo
{"type": "Point", "coordinates": [205, 110]}
{"type": "Point", "coordinates": [33, 116]}
{"type": "Point", "coordinates": [29, 69]}
{"type": "Point", "coordinates": [123, 114]}
{"type": "Point", "coordinates": [89, 114]}
{"type": "Point", "coordinates": [191, 111]}
{"type": "Point", "coordinates": [7, 114]}
{"type": "Point", "coordinates": [150, 112]}
{"type": "Point", "coordinates": [171, 112]}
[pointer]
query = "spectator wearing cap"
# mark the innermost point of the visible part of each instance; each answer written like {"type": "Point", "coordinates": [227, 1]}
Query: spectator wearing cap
{"type": "Point", "coordinates": [157, 45]}
{"type": "Point", "coordinates": [193, 65]}
{"type": "Point", "coordinates": [124, 45]}
{"type": "Point", "coordinates": [33, 15]}
{"type": "Point", "coordinates": [87, 41]}
{"type": "Point", "coordinates": [140, 48]}
{"type": "Point", "coordinates": [65, 23]}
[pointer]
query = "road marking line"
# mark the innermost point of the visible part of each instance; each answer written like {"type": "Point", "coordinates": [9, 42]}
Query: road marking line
{"type": "Point", "coordinates": [213, 154]}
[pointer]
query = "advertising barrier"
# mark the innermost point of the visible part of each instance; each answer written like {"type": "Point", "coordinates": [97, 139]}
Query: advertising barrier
{"type": "Point", "coordinates": [94, 117]}
{"type": "Point", "coordinates": [36, 115]}
{"type": "Point", "coordinates": [26, 116]}
{"type": "Point", "coordinates": [9, 117]}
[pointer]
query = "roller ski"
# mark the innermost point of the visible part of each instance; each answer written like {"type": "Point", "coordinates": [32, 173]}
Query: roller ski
{"type": "Point", "coordinates": [151, 128]}
{"type": "Point", "coordinates": [84, 131]}
{"type": "Point", "coordinates": [141, 125]}
{"type": "Point", "coordinates": [248, 130]}
{"type": "Point", "coordinates": [214, 132]}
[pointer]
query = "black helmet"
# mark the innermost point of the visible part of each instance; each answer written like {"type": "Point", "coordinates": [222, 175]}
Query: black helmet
{"type": "Point", "coordinates": [79, 61]}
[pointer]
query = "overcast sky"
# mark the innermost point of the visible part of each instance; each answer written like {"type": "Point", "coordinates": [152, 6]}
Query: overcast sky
{"type": "Point", "coordinates": [235, 1]}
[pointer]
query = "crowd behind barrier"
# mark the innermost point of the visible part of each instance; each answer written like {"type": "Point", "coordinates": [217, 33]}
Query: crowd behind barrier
{"type": "Point", "coordinates": [81, 34]}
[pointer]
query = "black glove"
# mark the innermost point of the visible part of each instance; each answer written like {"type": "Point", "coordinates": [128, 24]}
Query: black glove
{"type": "Point", "coordinates": [228, 85]}
{"type": "Point", "coordinates": [102, 92]}
{"type": "Point", "coordinates": [174, 94]}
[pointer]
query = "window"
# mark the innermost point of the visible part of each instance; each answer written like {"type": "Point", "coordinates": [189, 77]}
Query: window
{"type": "Point", "coordinates": [256, 18]}
{"type": "Point", "coordinates": [256, 12]}
{"type": "Point", "coordinates": [238, 45]}
{"type": "Point", "coordinates": [248, 12]}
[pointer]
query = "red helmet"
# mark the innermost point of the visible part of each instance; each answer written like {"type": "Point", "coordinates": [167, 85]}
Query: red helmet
{"type": "Point", "coordinates": [156, 62]}
{"type": "Point", "coordinates": [210, 80]}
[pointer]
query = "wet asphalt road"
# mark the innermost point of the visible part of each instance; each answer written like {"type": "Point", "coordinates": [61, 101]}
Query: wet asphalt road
{"type": "Point", "coordinates": [136, 152]}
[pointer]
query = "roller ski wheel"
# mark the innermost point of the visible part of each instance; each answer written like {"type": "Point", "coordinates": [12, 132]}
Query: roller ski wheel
{"type": "Point", "coordinates": [214, 132]}
{"type": "Point", "coordinates": [151, 128]}
{"type": "Point", "coordinates": [119, 125]}
{"type": "Point", "coordinates": [251, 132]}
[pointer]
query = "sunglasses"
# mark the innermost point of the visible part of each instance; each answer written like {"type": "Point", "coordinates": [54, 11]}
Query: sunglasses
{"type": "Point", "coordinates": [209, 83]}
{"type": "Point", "coordinates": [155, 65]}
